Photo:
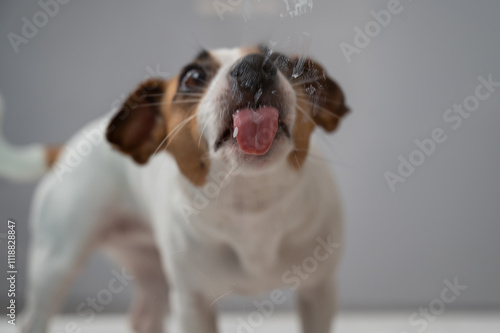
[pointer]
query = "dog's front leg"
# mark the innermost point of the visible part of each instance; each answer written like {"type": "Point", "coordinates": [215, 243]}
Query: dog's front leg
{"type": "Point", "coordinates": [317, 306]}
{"type": "Point", "coordinates": [192, 312]}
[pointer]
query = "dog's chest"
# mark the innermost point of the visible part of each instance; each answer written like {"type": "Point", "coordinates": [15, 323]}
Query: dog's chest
{"type": "Point", "coordinates": [255, 221]}
{"type": "Point", "coordinates": [256, 242]}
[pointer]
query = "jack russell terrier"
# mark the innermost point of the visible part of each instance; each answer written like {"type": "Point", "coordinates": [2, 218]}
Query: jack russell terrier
{"type": "Point", "coordinates": [220, 193]}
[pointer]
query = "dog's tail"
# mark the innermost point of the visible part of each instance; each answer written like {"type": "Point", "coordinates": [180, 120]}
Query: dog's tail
{"type": "Point", "coordinates": [24, 164]}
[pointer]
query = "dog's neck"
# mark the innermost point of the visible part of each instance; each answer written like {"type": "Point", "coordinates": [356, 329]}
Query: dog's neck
{"type": "Point", "coordinates": [257, 192]}
{"type": "Point", "coordinates": [253, 212]}
{"type": "Point", "coordinates": [249, 193]}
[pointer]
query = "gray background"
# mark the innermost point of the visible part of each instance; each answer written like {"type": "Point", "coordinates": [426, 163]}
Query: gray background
{"type": "Point", "coordinates": [442, 223]}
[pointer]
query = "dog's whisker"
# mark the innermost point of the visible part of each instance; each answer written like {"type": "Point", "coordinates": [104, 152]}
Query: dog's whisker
{"type": "Point", "coordinates": [223, 295]}
{"type": "Point", "coordinates": [177, 94]}
{"type": "Point", "coordinates": [323, 98]}
{"type": "Point", "coordinates": [305, 113]}
{"type": "Point", "coordinates": [167, 103]}
{"type": "Point", "coordinates": [188, 93]}
{"type": "Point", "coordinates": [321, 109]}
{"type": "Point", "coordinates": [297, 160]}
{"type": "Point", "coordinates": [155, 95]}
{"type": "Point", "coordinates": [311, 80]}
{"type": "Point", "coordinates": [176, 129]}
{"type": "Point", "coordinates": [201, 134]}
{"type": "Point", "coordinates": [179, 128]}
{"type": "Point", "coordinates": [309, 154]}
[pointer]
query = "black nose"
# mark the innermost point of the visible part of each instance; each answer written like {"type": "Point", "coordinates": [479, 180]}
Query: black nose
{"type": "Point", "coordinates": [254, 72]}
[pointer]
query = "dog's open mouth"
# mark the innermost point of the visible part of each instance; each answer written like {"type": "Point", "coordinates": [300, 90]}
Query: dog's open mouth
{"type": "Point", "coordinates": [253, 129]}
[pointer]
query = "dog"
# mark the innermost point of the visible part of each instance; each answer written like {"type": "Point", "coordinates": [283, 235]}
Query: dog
{"type": "Point", "coordinates": [200, 186]}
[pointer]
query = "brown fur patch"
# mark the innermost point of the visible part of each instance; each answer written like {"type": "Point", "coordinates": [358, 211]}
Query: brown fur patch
{"type": "Point", "coordinates": [139, 128]}
{"type": "Point", "coordinates": [184, 143]}
{"type": "Point", "coordinates": [52, 154]}
{"type": "Point", "coordinates": [150, 122]}
{"type": "Point", "coordinates": [320, 101]}
{"type": "Point", "coordinates": [251, 50]}
{"type": "Point", "coordinates": [156, 117]}
{"type": "Point", "coordinates": [302, 130]}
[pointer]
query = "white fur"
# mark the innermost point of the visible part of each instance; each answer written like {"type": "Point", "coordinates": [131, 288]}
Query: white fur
{"type": "Point", "coordinates": [21, 164]}
{"type": "Point", "coordinates": [240, 233]}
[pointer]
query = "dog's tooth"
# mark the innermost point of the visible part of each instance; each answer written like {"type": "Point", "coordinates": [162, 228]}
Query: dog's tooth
{"type": "Point", "coordinates": [235, 133]}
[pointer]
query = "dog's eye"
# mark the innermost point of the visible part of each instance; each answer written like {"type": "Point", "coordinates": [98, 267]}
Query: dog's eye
{"type": "Point", "coordinates": [193, 78]}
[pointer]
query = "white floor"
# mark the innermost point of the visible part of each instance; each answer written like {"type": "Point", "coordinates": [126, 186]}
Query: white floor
{"type": "Point", "coordinates": [346, 322]}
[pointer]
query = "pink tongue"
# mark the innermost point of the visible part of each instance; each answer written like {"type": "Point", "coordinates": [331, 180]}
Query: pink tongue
{"type": "Point", "coordinates": [255, 129]}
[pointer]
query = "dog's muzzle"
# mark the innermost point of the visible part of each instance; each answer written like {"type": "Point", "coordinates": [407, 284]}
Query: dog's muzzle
{"type": "Point", "coordinates": [252, 76]}
{"type": "Point", "coordinates": [256, 108]}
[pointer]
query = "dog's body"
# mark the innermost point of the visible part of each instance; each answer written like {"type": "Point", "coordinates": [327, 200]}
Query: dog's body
{"type": "Point", "coordinates": [216, 215]}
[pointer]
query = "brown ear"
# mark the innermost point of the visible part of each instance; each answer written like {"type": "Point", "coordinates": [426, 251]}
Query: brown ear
{"type": "Point", "coordinates": [320, 101]}
{"type": "Point", "coordinates": [139, 127]}
{"type": "Point", "coordinates": [325, 97]}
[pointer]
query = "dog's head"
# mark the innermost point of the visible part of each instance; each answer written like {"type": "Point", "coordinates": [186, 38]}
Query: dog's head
{"type": "Point", "coordinates": [246, 107]}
